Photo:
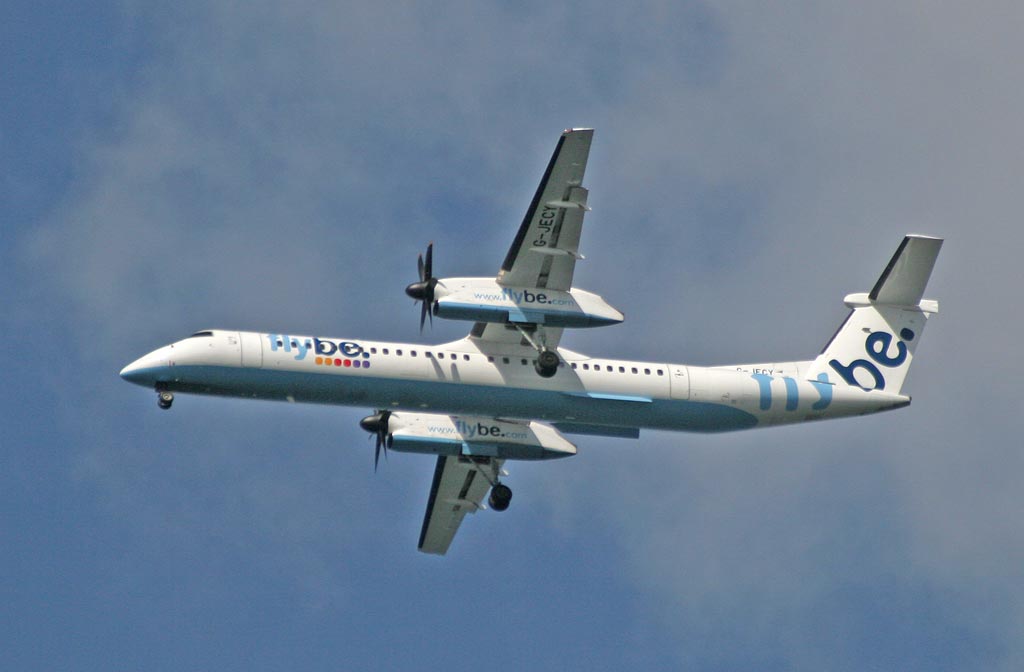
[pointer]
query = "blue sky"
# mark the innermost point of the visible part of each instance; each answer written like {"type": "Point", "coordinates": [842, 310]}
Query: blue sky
{"type": "Point", "coordinates": [266, 167]}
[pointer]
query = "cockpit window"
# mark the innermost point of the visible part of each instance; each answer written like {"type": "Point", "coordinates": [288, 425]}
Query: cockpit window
{"type": "Point", "coordinates": [201, 333]}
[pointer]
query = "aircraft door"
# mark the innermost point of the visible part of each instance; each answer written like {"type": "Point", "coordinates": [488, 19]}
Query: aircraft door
{"type": "Point", "coordinates": [679, 381]}
{"type": "Point", "coordinates": [252, 349]}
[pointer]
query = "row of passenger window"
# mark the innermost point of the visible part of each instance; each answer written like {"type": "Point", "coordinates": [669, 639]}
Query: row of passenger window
{"type": "Point", "coordinates": [621, 369]}
{"type": "Point", "coordinates": [413, 353]}
{"type": "Point", "coordinates": [586, 366]}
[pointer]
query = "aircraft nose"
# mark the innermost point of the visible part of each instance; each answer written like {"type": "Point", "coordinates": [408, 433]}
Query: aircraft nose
{"type": "Point", "coordinates": [133, 373]}
{"type": "Point", "coordinates": [144, 370]}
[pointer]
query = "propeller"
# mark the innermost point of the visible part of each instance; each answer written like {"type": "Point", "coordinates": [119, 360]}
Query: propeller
{"type": "Point", "coordinates": [378, 424]}
{"type": "Point", "coordinates": [423, 291]}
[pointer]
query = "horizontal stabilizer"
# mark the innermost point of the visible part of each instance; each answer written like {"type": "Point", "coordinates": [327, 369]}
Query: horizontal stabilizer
{"type": "Point", "coordinates": [903, 281]}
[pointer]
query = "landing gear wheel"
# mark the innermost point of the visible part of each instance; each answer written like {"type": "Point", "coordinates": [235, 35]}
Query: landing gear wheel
{"type": "Point", "coordinates": [547, 363]}
{"type": "Point", "coordinates": [164, 399]}
{"type": "Point", "coordinates": [500, 497]}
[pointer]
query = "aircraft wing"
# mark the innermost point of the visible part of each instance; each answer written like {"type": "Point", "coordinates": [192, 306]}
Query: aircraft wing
{"type": "Point", "coordinates": [458, 489]}
{"type": "Point", "coordinates": [546, 246]}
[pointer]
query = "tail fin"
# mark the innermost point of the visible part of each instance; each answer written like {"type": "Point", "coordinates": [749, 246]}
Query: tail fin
{"type": "Point", "coordinates": [874, 347]}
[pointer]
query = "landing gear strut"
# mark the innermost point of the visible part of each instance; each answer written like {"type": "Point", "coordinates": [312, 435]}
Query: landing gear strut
{"type": "Point", "coordinates": [164, 399]}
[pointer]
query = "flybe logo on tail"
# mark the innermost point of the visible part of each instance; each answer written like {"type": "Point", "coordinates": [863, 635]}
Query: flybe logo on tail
{"type": "Point", "coordinates": [879, 347]}
{"type": "Point", "coordinates": [327, 352]}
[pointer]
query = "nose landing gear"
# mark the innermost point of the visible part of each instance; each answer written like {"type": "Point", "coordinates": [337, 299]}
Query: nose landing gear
{"type": "Point", "coordinates": [164, 399]}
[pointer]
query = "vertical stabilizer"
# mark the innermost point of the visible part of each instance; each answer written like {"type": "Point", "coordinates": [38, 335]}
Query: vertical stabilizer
{"type": "Point", "coordinates": [874, 347]}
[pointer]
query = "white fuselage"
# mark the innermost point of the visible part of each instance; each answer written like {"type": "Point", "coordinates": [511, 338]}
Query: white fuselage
{"type": "Point", "coordinates": [587, 395]}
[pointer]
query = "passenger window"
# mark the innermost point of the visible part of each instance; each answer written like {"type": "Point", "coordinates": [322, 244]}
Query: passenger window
{"type": "Point", "coordinates": [574, 365]}
{"type": "Point", "coordinates": [634, 370]}
{"type": "Point", "coordinates": [586, 367]}
{"type": "Point", "coordinates": [398, 352]}
{"type": "Point", "coordinates": [660, 372]}
{"type": "Point", "coordinates": [647, 372]}
{"type": "Point", "coordinates": [386, 351]}
{"type": "Point", "coordinates": [466, 357]}
{"type": "Point", "coordinates": [524, 362]}
{"type": "Point", "coordinates": [505, 360]}
{"type": "Point", "coordinates": [412, 353]}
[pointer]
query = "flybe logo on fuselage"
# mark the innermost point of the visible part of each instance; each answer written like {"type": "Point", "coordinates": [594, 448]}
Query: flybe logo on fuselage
{"type": "Point", "coordinates": [327, 352]}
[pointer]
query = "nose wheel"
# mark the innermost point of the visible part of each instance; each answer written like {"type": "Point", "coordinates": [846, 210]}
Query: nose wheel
{"type": "Point", "coordinates": [164, 399]}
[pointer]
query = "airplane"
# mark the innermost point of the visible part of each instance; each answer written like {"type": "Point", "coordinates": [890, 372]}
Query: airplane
{"type": "Point", "coordinates": [509, 391]}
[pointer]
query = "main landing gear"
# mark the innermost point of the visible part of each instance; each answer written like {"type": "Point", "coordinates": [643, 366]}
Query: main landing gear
{"type": "Point", "coordinates": [164, 399]}
{"type": "Point", "coordinates": [500, 497]}
{"type": "Point", "coordinates": [501, 494]}
{"type": "Point", "coordinates": [547, 362]}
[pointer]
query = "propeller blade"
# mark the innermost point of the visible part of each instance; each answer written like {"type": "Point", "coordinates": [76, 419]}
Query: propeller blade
{"type": "Point", "coordinates": [377, 425]}
{"type": "Point", "coordinates": [423, 291]}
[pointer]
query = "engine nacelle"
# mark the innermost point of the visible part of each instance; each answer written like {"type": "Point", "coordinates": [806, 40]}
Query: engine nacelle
{"type": "Point", "coordinates": [484, 300]}
{"type": "Point", "coordinates": [476, 436]}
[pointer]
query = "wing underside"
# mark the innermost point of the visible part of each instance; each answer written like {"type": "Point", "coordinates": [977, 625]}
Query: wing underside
{"type": "Point", "coordinates": [459, 487]}
{"type": "Point", "coordinates": [546, 246]}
